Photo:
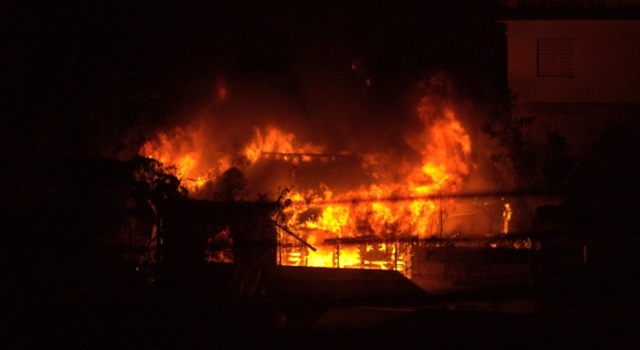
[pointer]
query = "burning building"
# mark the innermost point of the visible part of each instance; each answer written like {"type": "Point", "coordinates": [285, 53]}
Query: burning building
{"type": "Point", "coordinates": [364, 207]}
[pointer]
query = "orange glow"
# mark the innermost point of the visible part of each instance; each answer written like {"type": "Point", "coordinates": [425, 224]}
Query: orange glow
{"type": "Point", "coordinates": [506, 217]}
{"type": "Point", "coordinates": [222, 92]}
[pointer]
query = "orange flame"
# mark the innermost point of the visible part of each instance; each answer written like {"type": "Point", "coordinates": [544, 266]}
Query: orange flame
{"type": "Point", "coordinates": [183, 148]}
{"type": "Point", "coordinates": [323, 216]}
{"type": "Point", "coordinates": [444, 147]}
{"type": "Point", "coordinates": [273, 140]}
{"type": "Point", "coordinates": [179, 148]}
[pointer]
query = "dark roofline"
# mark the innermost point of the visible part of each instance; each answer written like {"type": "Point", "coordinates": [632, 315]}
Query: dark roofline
{"type": "Point", "coordinates": [530, 10]}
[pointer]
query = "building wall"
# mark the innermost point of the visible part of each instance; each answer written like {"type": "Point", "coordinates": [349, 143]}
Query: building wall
{"type": "Point", "coordinates": [580, 124]}
{"type": "Point", "coordinates": [600, 62]}
{"type": "Point", "coordinates": [579, 80]}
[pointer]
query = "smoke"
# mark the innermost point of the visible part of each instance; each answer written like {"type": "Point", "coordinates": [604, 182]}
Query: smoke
{"type": "Point", "coordinates": [319, 106]}
{"type": "Point", "coordinates": [325, 105]}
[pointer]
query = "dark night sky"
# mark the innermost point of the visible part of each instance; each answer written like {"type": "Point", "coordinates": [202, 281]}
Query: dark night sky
{"type": "Point", "coordinates": [69, 68]}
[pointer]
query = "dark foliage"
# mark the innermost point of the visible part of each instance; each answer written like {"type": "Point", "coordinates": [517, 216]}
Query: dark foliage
{"type": "Point", "coordinates": [604, 186]}
{"type": "Point", "coordinates": [517, 151]}
{"type": "Point", "coordinates": [66, 220]}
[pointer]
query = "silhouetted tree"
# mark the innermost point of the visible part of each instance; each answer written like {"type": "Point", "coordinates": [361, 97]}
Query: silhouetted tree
{"type": "Point", "coordinates": [556, 163]}
{"type": "Point", "coordinates": [604, 187]}
{"type": "Point", "coordinates": [230, 186]}
{"type": "Point", "coordinates": [517, 151]}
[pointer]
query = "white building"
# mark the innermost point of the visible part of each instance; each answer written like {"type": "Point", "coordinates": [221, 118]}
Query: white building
{"type": "Point", "coordinates": [573, 65]}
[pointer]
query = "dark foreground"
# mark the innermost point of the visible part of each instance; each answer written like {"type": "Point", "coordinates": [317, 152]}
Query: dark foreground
{"type": "Point", "coordinates": [366, 310]}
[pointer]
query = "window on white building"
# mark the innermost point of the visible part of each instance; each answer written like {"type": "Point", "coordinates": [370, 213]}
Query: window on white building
{"type": "Point", "coordinates": [556, 57]}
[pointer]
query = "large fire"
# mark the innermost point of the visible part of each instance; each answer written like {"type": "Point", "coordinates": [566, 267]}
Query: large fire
{"type": "Point", "coordinates": [370, 225]}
